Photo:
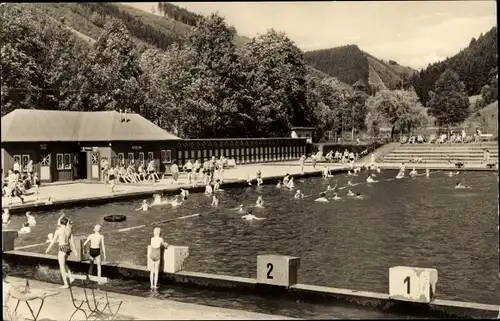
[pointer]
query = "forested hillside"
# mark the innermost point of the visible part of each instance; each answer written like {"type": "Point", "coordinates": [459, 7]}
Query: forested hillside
{"type": "Point", "coordinates": [350, 64]}
{"type": "Point", "coordinates": [475, 66]}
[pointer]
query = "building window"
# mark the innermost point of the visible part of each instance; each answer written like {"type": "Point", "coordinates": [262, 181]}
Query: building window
{"type": "Point", "coordinates": [67, 161]}
{"type": "Point", "coordinates": [141, 158]}
{"type": "Point", "coordinates": [121, 157]}
{"type": "Point", "coordinates": [25, 160]}
{"type": "Point", "coordinates": [45, 160]}
{"type": "Point", "coordinates": [60, 161]}
{"type": "Point", "coordinates": [130, 157]}
{"type": "Point", "coordinates": [166, 156]}
{"type": "Point", "coordinates": [17, 158]}
{"type": "Point", "coordinates": [199, 154]}
{"type": "Point", "coordinates": [151, 156]}
{"type": "Point", "coordinates": [193, 156]}
{"type": "Point", "coordinates": [204, 153]}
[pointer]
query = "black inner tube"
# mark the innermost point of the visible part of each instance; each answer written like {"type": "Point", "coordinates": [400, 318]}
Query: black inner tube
{"type": "Point", "coordinates": [115, 218]}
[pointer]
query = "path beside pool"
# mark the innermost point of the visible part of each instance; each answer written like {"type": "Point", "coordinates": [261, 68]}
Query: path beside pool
{"type": "Point", "coordinates": [78, 191]}
{"type": "Point", "coordinates": [59, 307]}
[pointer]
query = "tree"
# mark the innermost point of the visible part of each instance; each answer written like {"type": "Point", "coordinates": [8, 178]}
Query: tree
{"type": "Point", "coordinates": [109, 79]}
{"type": "Point", "coordinates": [449, 103]}
{"type": "Point", "coordinates": [324, 102]}
{"type": "Point", "coordinates": [400, 109]}
{"type": "Point", "coordinates": [275, 81]}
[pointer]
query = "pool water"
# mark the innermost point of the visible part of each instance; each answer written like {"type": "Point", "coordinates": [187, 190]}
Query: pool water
{"type": "Point", "coordinates": [350, 243]}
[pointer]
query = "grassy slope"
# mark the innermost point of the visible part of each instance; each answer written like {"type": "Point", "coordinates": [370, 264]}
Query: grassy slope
{"type": "Point", "coordinates": [488, 115]}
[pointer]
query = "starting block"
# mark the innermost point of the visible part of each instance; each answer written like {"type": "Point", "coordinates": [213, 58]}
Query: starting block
{"type": "Point", "coordinates": [172, 258]}
{"type": "Point", "coordinates": [412, 284]}
{"type": "Point", "coordinates": [277, 270]}
{"type": "Point", "coordinates": [8, 239]}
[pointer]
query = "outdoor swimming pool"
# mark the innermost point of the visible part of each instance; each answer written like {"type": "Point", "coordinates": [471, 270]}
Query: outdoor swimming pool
{"type": "Point", "coordinates": [350, 243]}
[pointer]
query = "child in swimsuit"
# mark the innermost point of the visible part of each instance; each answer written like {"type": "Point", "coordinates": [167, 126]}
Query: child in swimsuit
{"type": "Point", "coordinates": [156, 244]}
{"type": "Point", "coordinates": [96, 240]}
{"type": "Point", "coordinates": [66, 242]}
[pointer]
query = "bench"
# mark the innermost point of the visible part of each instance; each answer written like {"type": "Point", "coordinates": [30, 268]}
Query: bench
{"type": "Point", "coordinates": [485, 137]}
{"type": "Point", "coordinates": [95, 301]}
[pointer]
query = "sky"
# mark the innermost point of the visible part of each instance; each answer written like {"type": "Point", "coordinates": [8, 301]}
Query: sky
{"type": "Point", "coordinates": [413, 33]}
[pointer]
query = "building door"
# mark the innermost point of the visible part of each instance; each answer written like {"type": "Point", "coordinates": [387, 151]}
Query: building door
{"type": "Point", "coordinates": [94, 165]}
{"type": "Point", "coordinates": [45, 167]}
{"type": "Point", "coordinates": [82, 165]}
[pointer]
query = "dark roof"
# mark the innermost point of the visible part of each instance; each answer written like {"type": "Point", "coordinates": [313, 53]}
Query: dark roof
{"type": "Point", "coordinates": [302, 128]}
{"type": "Point", "coordinates": [32, 125]}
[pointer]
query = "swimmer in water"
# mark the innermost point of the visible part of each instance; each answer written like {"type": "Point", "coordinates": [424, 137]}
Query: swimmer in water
{"type": "Point", "coordinates": [240, 208]}
{"type": "Point", "coordinates": [184, 194]}
{"type": "Point", "coordinates": [278, 185]}
{"type": "Point", "coordinates": [217, 186]}
{"type": "Point", "coordinates": [370, 179]}
{"type": "Point", "coordinates": [358, 195]}
{"type": "Point", "coordinates": [250, 217]}
{"type": "Point", "coordinates": [357, 170]}
{"type": "Point", "coordinates": [400, 175]}
{"type": "Point", "coordinates": [208, 189]}
{"type": "Point", "coordinates": [157, 243]}
{"type": "Point", "coordinates": [350, 183]}
{"type": "Point", "coordinates": [460, 185]}
{"type": "Point", "coordinates": [215, 201]}
{"type": "Point", "coordinates": [144, 206]}
{"type": "Point", "coordinates": [377, 169]}
{"type": "Point", "coordinates": [321, 198]}
{"type": "Point", "coordinates": [286, 179]}
{"type": "Point", "coordinates": [413, 172]}
{"type": "Point", "coordinates": [427, 172]}
{"type": "Point", "coordinates": [30, 219]}
{"type": "Point", "coordinates": [290, 184]}
{"type": "Point", "coordinates": [6, 216]}
{"type": "Point", "coordinates": [259, 202]}
{"type": "Point", "coordinates": [50, 236]}
{"type": "Point", "coordinates": [25, 229]}
{"type": "Point", "coordinates": [350, 193]}
{"type": "Point", "coordinates": [336, 197]}
{"type": "Point", "coordinates": [349, 173]}
{"type": "Point", "coordinates": [298, 195]}
{"type": "Point", "coordinates": [176, 201]}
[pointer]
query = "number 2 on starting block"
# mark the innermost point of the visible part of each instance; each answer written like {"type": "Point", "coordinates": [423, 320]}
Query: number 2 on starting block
{"type": "Point", "coordinates": [412, 284]}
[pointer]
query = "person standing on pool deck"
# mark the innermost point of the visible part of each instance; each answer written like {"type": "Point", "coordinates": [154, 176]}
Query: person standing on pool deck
{"type": "Point", "coordinates": [174, 169]}
{"type": "Point", "coordinates": [302, 162]}
{"type": "Point", "coordinates": [96, 240]}
{"type": "Point", "coordinates": [155, 254]}
{"type": "Point", "coordinates": [188, 168]}
{"type": "Point", "coordinates": [112, 178]}
{"type": "Point", "coordinates": [66, 242]}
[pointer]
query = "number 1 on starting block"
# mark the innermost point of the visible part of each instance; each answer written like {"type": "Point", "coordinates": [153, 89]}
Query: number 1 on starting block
{"type": "Point", "coordinates": [412, 284]}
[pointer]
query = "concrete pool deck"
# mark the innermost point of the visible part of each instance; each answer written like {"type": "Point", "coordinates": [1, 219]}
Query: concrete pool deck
{"type": "Point", "coordinates": [59, 307]}
{"type": "Point", "coordinates": [80, 193]}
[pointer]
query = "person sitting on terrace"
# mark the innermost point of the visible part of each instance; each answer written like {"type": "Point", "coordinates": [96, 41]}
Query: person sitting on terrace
{"type": "Point", "coordinates": [11, 291]}
{"type": "Point", "coordinates": [403, 140]}
{"type": "Point", "coordinates": [123, 175]}
{"type": "Point", "coordinates": [329, 156]}
{"type": "Point", "coordinates": [141, 173]}
{"type": "Point", "coordinates": [6, 216]}
{"type": "Point", "coordinates": [337, 156]}
{"type": "Point", "coordinates": [412, 140]}
{"type": "Point", "coordinates": [131, 173]}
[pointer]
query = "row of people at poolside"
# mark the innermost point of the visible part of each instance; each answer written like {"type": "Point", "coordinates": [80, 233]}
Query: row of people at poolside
{"type": "Point", "coordinates": [17, 184]}
{"type": "Point", "coordinates": [343, 157]}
